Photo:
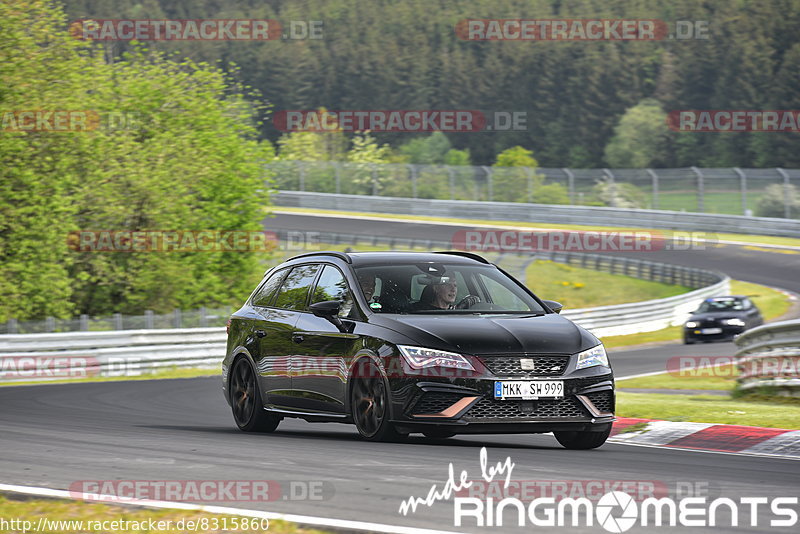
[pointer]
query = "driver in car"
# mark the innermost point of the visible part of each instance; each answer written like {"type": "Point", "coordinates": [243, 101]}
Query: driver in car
{"type": "Point", "coordinates": [441, 294]}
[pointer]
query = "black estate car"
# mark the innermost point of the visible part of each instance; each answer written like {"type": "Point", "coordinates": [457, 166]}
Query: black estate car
{"type": "Point", "coordinates": [721, 318]}
{"type": "Point", "coordinates": [441, 343]}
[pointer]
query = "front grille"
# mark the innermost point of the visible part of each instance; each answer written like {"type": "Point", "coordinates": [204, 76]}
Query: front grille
{"type": "Point", "coordinates": [509, 366]}
{"type": "Point", "coordinates": [602, 400]}
{"type": "Point", "coordinates": [435, 402]}
{"type": "Point", "coordinates": [489, 408]}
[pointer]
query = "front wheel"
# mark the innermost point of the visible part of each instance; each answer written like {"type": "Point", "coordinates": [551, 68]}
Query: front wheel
{"type": "Point", "coordinates": [248, 410]}
{"type": "Point", "coordinates": [582, 440]}
{"type": "Point", "coordinates": [369, 404]}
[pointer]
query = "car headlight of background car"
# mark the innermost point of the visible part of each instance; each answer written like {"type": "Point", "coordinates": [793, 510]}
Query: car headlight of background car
{"type": "Point", "coordinates": [421, 358]}
{"type": "Point", "coordinates": [733, 322]}
{"type": "Point", "coordinates": [691, 324]}
{"type": "Point", "coordinates": [594, 356]}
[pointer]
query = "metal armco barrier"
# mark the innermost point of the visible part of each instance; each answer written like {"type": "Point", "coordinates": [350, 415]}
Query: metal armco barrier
{"type": "Point", "coordinates": [543, 213]}
{"type": "Point", "coordinates": [769, 356]}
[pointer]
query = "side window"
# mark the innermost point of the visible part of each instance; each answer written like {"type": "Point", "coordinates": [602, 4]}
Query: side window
{"type": "Point", "coordinates": [333, 286]}
{"type": "Point", "coordinates": [501, 295]}
{"type": "Point", "coordinates": [294, 291]}
{"type": "Point", "coordinates": [263, 296]}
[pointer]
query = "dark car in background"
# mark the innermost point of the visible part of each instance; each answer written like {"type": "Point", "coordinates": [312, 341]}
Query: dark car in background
{"type": "Point", "coordinates": [399, 342]}
{"type": "Point", "coordinates": [721, 319]}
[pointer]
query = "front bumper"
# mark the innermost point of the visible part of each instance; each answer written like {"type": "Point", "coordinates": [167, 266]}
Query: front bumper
{"type": "Point", "coordinates": [467, 405]}
{"type": "Point", "coordinates": [727, 332]}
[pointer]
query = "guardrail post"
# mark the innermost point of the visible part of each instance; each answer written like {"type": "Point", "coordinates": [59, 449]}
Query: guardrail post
{"type": "Point", "coordinates": [612, 182]}
{"type": "Point", "coordinates": [301, 169]}
{"type": "Point", "coordinates": [203, 317]}
{"type": "Point", "coordinates": [337, 169]}
{"type": "Point", "coordinates": [117, 321]}
{"type": "Point", "coordinates": [452, 182]}
{"type": "Point", "coordinates": [742, 188]}
{"type": "Point", "coordinates": [570, 185]}
{"type": "Point", "coordinates": [148, 319]}
{"type": "Point", "coordinates": [176, 322]}
{"type": "Point", "coordinates": [654, 178]}
{"type": "Point", "coordinates": [413, 171]}
{"type": "Point", "coordinates": [787, 209]}
{"type": "Point", "coordinates": [84, 323]}
{"type": "Point", "coordinates": [50, 324]}
{"type": "Point", "coordinates": [374, 173]}
{"type": "Point", "coordinates": [489, 190]}
{"type": "Point", "coordinates": [701, 190]}
{"type": "Point", "coordinates": [11, 326]}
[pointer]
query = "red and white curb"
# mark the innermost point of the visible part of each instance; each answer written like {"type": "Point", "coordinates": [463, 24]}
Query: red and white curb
{"type": "Point", "coordinates": [303, 520]}
{"type": "Point", "coordinates": [709, 437]}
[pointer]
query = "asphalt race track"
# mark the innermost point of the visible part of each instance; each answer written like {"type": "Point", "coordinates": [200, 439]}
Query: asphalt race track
{"type": "Point", "coordinates": [55, 435]}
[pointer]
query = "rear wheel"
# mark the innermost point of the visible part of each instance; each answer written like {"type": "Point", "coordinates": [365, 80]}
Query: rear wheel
{"type": "Point", "coordinates": [246, 404]}
{"type": "Point", "coordinates": [369, 404]}
{"type": "Point", "coordinates": [582, 440]}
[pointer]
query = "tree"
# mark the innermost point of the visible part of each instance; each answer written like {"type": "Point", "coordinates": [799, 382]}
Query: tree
{"type": "Point", "coordinates": [641, 138]}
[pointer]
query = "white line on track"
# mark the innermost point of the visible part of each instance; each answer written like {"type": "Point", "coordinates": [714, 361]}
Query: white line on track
{"type": "Point", "coordinates": [343, 524]}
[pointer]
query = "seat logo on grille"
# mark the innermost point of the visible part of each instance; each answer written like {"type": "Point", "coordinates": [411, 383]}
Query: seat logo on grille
{"type": "Point", "coordinates": [527, 364]}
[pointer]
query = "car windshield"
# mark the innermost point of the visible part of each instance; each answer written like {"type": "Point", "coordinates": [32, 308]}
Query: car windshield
{"type": "Point", "coordinates": [442, 288]}
{"type": "Point", "coordinates": [718, 305]}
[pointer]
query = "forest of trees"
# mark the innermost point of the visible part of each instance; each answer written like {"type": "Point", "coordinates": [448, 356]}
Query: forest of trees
{"type": "Point", "coordinates": [589, 104]}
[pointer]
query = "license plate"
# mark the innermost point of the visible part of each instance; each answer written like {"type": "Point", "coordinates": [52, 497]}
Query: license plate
{"type": "Point", "coordinates": [711, 331]}
{"type": "Point", "coordinates": [529, 389]}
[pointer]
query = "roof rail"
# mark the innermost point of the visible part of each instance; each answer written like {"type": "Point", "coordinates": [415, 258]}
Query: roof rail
{"type": "Point", "coordinates": [334, 253]}
{"type": "Point", "coordinates": [469, 255]}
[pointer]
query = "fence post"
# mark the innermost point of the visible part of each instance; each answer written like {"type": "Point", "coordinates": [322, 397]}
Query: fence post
{"type": "Point", "coordinates": [12, 326]}
{"type": "Point", "coordinates": [337, 169]}
{"type": "Point", "coordinates": [529, 172]}
{"type": "Point", "coordinates": [654, 178]}
{"type": "Point", "coordinates": [787, 209]}
{"type": "Point", "coordinates": [203, 317]}
{"type": "Point", "coordinates": [489, 190]}
{"type": "Point", "coordinates": [570, 185]}
{"type": "Point", "coordinates": [452, 178]}
{"type": "Point", "coordinates": [148, 319]}
{"type": "Point", "coordinates": [177, 318]}
{"type": "Point", "coordinates": [413, 171]}
{"type": "Point", "coordinates": [117, 321]}
{"type": "Point", "coordinates": [701, 190]}
{"type": "Point", "coordinates": [742, 188]}
{"type": "Point", "coordinates": [50, 324]}
{"type": "Point", "coordinates": [613, 183]}
{"type": "Point", "coordinates": [302, 171]}
{"type": "Point", "coordinates": [84, 323]}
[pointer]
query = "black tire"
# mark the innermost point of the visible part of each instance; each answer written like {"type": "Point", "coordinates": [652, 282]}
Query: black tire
{"type": "Point", "coordinates": [438, 434]}
{"type": "Point", "coordinates": [246, 405]}
{"type": "Point", "coordinates": [582, 440]}
{"type": "Point", "coordinates": [370, 404]}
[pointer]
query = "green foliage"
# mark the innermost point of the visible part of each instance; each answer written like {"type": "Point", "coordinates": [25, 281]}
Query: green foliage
{"type": "Point", "coordinates": [619, 195]}
{"type": "Point", "coordinates": [189, 161]}
{"type": "Point", "coordinates": [431, 150]}
{"type": "Point", "coordinates": [516, 157]}
{"type": "Point", "coordinates": [772, 203]}
{"type": "Point", "coordinates": [514, 176]}
{"type": "Point", "coordinates": [641, 138]}
{"type": "Point", "coordinates": [551, 194]}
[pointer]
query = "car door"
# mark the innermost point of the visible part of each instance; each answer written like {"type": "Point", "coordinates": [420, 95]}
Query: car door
{"type": "Point", "coordinates": [319, 366]}
{"type": "Point", "coordinates": [276, 346]}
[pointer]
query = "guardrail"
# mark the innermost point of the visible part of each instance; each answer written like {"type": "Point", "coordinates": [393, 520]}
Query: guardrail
{"type": "Point", "coordinates": [542, 213]}
{"type": "Point", "coordinates": [51, 356]}
{"type": "Point", "coordinates": [769, 356]}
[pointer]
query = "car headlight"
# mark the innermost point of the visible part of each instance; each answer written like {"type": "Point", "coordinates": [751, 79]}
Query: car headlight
{"type": "Point", "coordinates": [733, 322]}
{"type": "Point", "coordinates": [420, 358]}
{"type": "Point", "coordinates": [594, 356]}
{"type": "Point", "coordinates": [691, 324]}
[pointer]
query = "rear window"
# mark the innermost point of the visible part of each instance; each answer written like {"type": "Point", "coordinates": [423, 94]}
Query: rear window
{"type": "Point", "coordinates": [293, 293]}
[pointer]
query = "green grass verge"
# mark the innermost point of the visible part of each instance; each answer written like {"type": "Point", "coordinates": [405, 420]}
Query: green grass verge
{"type": "Point", "coordinates": [52, 510]}
{"type": "Point", "coordinates": [710, 409]}
{"type": "Point", "coordinates": [748, 238]}
{"type": "Point", "coordinates": [576, 287]}
{"type": "Point", "coordinates": [722, 378]}
{"type": "Point", "coordinates": [172, 372]}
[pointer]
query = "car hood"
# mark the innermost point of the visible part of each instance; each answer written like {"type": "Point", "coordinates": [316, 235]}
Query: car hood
{"type": "Point", "coordinates": [493, 334]}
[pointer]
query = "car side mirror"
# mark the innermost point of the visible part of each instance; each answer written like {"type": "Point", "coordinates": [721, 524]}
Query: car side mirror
{"type": "Point", "coordinates": [553, 305]}
{"type": "Point", "coordinates": [328, 309]}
